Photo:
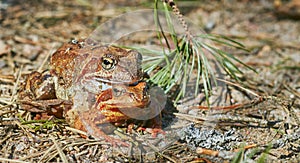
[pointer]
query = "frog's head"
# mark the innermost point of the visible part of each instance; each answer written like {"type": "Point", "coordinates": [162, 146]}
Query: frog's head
{"type": "Point", "coordinates": [111, 64]}
{"type": "Point", "coordinates": [124, 96]}
{"type": "Point", "coordinates": [115, 102]}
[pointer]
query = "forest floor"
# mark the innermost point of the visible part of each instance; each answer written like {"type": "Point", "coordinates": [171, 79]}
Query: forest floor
{"type": "Point", "coordinates": [257, 124]}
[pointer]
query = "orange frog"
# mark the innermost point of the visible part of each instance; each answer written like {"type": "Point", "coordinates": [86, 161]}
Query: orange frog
{"type": "Point", "coordinates": [88, 84]}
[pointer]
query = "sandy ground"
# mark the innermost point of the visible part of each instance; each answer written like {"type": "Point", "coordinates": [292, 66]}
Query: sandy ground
{"type": "Point", "coordinates": [260, 123]}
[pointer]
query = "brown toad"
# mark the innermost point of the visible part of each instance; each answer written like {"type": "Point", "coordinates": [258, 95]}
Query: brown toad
{"type": "Point", "coordinates": [110, 78]}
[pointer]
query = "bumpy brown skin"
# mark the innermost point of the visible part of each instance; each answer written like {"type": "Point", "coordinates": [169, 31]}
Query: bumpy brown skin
{"type": "Point", "coordinates": [84, 64]}
{"type": "Point", "coordinates": [85, 59]}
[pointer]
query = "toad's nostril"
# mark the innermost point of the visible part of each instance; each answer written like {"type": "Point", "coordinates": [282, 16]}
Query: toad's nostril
{"type": "Point", "coordinates": [146, 87]}
{"type": "Point", "coordinates": [146, 91]}
{"type": "Point", "coordinates": [146, 75]}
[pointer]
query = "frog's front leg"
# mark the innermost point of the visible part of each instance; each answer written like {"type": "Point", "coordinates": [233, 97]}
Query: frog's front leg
{"type": "Point", "coordinates": [106, 112]}
{"type": "Point", "coordinates": [92, 122]}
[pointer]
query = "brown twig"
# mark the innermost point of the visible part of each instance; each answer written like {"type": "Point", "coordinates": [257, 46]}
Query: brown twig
{"type": "Point", "coordinates": [207, 152]}
{"type": "Point", "coordinates": [235, 106]}
{"type": "Point", "coordinates": [223, 154]}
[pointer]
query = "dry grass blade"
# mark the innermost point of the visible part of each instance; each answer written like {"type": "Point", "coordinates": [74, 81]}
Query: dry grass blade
{"type": "Point", "coordinates": [161, 154]}
{"type": "Point", "coordinates": [34, 155]}
{"type": "Point", "coordinates": [8, 104]}
{"type": "Point", "coordinates": [237, 85]}
{"type": "Point", "coordinates": [60, 152]}
{"type": "Point", "coordinates": [46, 59]}
{"type": "Point", "coordinates": [6, 112]}
{"type": "Point", "coordinates": [192, 118]}
{"type": "Point", "coordinates": [292, 90]}
{"type": "Point", "coordinates": [125, 137]}
{"type": "Point", "coordinates": [14, 91]}
{"type": "Point", "coordinates": [22, 128]}
{"type": "Point", "coordinates": [7, 79]}
{"type": "Point", "coordinates": [46, 154]}
{"type": "Point", "coordinates": [76, 131]}
{"type": "Point", "coordinates": [6, 137]}
{"type": "Point", "coordinates": [10, 160]}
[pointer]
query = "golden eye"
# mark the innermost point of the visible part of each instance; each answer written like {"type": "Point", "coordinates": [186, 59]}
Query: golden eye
{"type": "Point", "coordinates": [108, 63]}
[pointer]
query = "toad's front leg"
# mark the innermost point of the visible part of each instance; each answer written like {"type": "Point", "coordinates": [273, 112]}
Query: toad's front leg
{"type": "Point", "coordinates": [99, 126]}
{"type": "Point", "coordinates": [106, 112]}
{"type": "Point", "coordinates": [97, 120]}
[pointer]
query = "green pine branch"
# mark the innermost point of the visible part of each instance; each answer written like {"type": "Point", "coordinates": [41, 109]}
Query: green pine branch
{"type": "Point", "coordinates": [175, 66]}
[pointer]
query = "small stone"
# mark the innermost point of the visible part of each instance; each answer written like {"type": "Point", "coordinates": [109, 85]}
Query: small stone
{"type": "Point", "coordinates": [193, 112]}
{"type": "Point", "coordinates": [3, 48]}
{"type": "Point", "coordinates": [150, 156]}
{"type": "Point", "coordinates": [2, 64]}
{"type": "Point", "coordinates": [20, 147]}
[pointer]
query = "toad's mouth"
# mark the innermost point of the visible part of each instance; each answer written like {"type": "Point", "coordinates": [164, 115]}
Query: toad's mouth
{"type": "Point", "coordinates": [107, 80]}
{"type": "Point", "coordinates": [96, 85]}
{"type": "Point", "coordinates": [129, 79]}
{"type": "Point", "coordinates": [123, 96]}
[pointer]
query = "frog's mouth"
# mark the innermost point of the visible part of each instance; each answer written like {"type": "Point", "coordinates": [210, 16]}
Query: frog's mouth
{"type": "Point", "coordinates": [122, 77]}
{"type": "Point", "coordinates": [111, 80]}
{"type": "Point", "coordinates": [97, 85]}
{"type": "Point", "coordinates": [124, 96]}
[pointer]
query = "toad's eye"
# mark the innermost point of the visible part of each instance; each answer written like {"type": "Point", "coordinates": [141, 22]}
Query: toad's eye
{"type": "Point", "coordinates": [108, 63]}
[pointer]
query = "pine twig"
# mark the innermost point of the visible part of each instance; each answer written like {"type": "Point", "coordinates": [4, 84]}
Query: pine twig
{"type": "Point", "coordinates": [179, 15]}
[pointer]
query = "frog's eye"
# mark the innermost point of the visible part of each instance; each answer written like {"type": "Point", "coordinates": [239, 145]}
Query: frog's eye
{"type": "Point", "coordinates": [108, 63]}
